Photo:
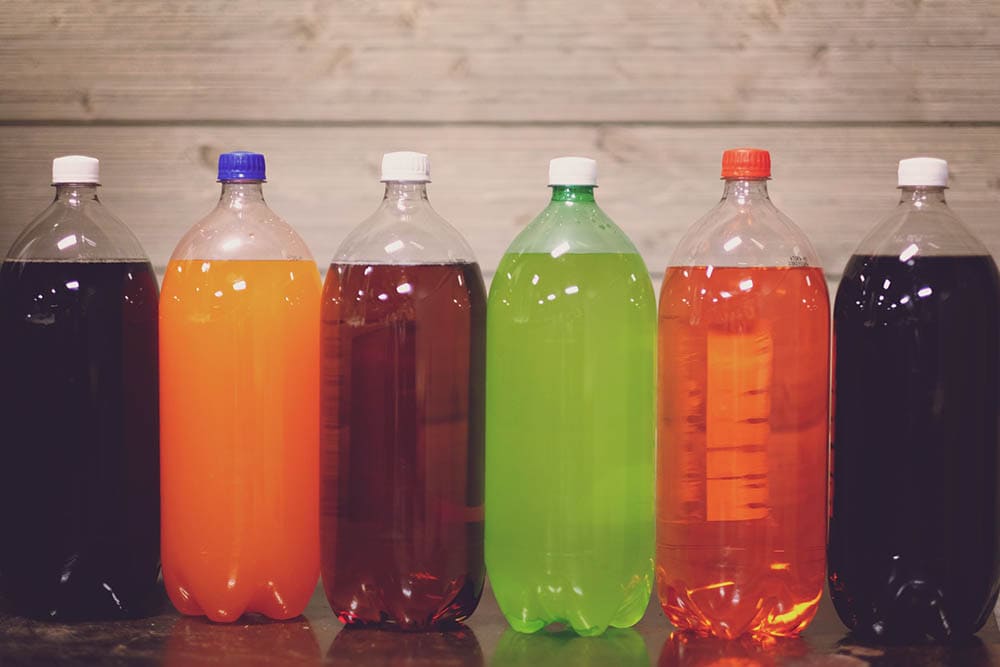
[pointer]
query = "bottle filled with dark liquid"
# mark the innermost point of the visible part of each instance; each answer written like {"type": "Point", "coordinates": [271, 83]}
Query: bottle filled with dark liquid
{"type": "Point", "coordinates": [79, 484]}
{"type": "Point", "coordinates": [914, 548]}
{"type": "Point", "coordinates": [402, 415]}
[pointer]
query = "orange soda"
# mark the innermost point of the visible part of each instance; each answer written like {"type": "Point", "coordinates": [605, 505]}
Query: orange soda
{"type": "Point", "coordinates": [239, 400]}
{"type": "Point", "coordinates": [744, 349]}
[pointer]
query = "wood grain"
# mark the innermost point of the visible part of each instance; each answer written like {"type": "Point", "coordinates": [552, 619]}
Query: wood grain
{"type": "Point", "coordinates": [490, 181]}
{"type": "Point", "coordinates": [551, 61]}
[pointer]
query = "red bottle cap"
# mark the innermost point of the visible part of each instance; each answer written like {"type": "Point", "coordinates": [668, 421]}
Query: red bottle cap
{"type": "Point", "coordinates": [746, 163]}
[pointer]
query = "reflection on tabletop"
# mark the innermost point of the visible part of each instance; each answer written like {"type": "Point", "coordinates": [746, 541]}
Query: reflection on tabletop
{"type": "Point", "coordinates": [353, 646]}
{"type": "Point", "coordinates": [251, 640]}
{"type": "Point", "coordinates": [692, 650]}
{"type": "Point", "coordinates": [966, 651]}
{"type": "Point", "coordinates": [622, 647]}
{"type": "Point", "coordinates": [685, 649]}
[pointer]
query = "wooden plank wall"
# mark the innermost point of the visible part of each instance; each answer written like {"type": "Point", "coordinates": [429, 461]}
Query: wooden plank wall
{"type": "Point", "coordinates": [653, 90]}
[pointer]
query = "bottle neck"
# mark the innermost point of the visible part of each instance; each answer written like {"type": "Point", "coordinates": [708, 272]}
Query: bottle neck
{"type": "Point", "coordinates": [237, 194]}
{"type": "Point", "coordinates": [574, 193]}
{"type": "Point", "coordinates": [405, 195]}
{"type": "Point", "coordinates": [744, 190]}
{"type": "Point", "coordinates": [74, 194]}
{"type": "Point", "coordinates": [922, 196]}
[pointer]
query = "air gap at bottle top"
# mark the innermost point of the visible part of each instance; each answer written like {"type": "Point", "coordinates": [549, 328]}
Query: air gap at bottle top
{"type": "Point", "coordinates": [744, 348]}
{"type": "Point", "coordinates": [79, 484]}
{"type": "Point", "coordinates": [916, 447]}
{"type": "Point", "coordinates": [571, 329]}
{"type": "Point", "coordinates": [239, 344]}
{"type": "Point", "coordinates": [403, 357]}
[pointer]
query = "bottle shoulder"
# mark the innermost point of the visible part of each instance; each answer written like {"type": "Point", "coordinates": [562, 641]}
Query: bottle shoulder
{"type": "Point", "coordinates": [531, 277]}
{"type": "Point", "coordinates": [925, 230]}
{"type": "Point", "coordinates": [250, 232]}
{"type": "Point", "coordinates": [752, 233]}
{"type": "Point", "coordinates": [896, 288]}
{"type": "Point", "coordinates": [404, 235]}
{"type": "Point", "coordinates": [572, 227]}
{"type": "Point", "coordinates": [83, 231]}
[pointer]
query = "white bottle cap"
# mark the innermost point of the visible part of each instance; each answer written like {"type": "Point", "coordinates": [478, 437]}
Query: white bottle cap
{"type": "Point", "coordinates": [76, 169]}
{"type": "Point", "coordinates": [572, 171]}
{"type": "Point", "coordinates": [406, 166]}
{"type": "Point", "coordinates": [926, 171]}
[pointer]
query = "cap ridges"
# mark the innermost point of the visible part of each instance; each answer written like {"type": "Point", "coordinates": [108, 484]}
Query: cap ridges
{"type": "Point", "coordinates": [406, 167]}
{"type": "Point", "coordinates": [573, 171]}
{"type": "Point", "coordinates": [923, 171]}
{"type": "Point", "coordinates": [747, 163]}
{"type": "Point", "coordinates": [242, 166]}
{"type": "Point", "coordinates": [76, 169]}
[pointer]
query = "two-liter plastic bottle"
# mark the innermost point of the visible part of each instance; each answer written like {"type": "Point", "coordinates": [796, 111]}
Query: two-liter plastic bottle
{"type": "Point", "coordinates": [914, 537]}
{"type": "Point", "coordinates": [571, 333]}
{"type": "Point", "coordinates": [403, 357]}
{"type": "Point", "coordinates": [239, 405]}
{"type": "Point", "coordinates": [743, 414]}
{"type": "Point", "coordinates": [79, 484]}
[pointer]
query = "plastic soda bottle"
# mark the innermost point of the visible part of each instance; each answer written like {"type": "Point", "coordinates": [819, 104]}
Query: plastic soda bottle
{"type": "Point", "coordinates": [79, 484]}
{"type": "Point", "coordinates": [571, 331]}
{"type": "Point", "coordinates": [914, 549]}
{"type": "Point", "coordinates": [743, 417]}
{"type": "Point", "coordinates": [403, 407]}
{"type": "Point", "coordinates": [239, 390]}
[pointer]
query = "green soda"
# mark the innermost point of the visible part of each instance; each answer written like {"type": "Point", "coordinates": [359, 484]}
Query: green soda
{"type": "Point", "coordinates": [570, 428]}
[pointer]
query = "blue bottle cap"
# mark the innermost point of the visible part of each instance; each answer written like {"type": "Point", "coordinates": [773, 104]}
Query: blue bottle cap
{"type": "Point", "coordinates": [241, 166]}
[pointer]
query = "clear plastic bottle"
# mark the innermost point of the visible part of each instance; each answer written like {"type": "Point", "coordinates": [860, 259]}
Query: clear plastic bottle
{"type": "Point", "coordinates": [79, 484]}
{"type": "Point", "coordinates": [916, 441]}
{"type": "Point", "coordinates": [403, 409]}
{"type": "Point", "coordinates": [743, 406]}
{"type": "Point", "coordinates": [239, 392]}
{"type": "Point", "coordinates": [571, 335]}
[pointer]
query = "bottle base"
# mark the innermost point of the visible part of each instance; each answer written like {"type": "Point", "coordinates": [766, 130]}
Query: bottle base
{"type": "Point", "coordinates": [443, 620]}
{"type": "Point", "coordinates": [580, 621]}
{"type": "Point", "coordinates": [774, 618]}
{"type": "Point", "coordinates": [228, 609]}
{"type": "Point", "coordinates": [102, 604]}
{"type": "Point", "coordinates": [556, 626]}
{"type": "Point", "coordinates": [395, 625]}
{"type": "Point", "coordinates": [907, 620]}
{"type": "Point", "coordinates": [446, 619]}
{"type": "Point", "coordinates": [438, 608]}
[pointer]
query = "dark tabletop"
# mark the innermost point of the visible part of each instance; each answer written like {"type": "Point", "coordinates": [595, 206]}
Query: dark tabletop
{"type": "Point", "coordinates": [317, 638]}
